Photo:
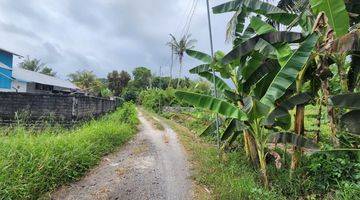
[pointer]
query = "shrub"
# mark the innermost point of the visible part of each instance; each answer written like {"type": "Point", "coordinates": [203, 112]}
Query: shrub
{"type": "Point", "coordinates": [326, 170]}
{"type": "Point", "coordinates": [156, 99]}
{"type": "Point", "coordinates": [33, 164]}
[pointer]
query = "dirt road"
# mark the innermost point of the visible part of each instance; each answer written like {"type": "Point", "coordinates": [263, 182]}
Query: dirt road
{"type": "Point", "coordinates": [151, 166]}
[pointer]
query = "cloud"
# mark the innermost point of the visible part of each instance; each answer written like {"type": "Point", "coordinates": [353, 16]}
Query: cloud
{"type": "Point", "coordinates": [103, 35]}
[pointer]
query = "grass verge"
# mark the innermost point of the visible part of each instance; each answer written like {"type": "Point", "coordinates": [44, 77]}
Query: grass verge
{"type": "Point", "coordinates": [32, 164]}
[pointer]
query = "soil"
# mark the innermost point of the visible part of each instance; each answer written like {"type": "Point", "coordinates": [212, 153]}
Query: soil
{"type": "Point", "coordinates": [151, 166]}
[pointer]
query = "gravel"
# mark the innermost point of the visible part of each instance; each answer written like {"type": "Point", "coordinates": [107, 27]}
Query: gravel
{"type": "Point", "coordinates": [151, 166]}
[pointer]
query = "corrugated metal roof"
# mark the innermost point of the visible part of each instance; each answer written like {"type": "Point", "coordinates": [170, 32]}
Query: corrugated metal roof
{"type": "Point", "coordinates": [11, 52]}
{"type": "Point", "coordinates": [35, 77]}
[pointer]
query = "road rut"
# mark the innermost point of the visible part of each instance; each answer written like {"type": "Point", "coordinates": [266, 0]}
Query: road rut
{"type": "Point", "coordinates": [151, 166]}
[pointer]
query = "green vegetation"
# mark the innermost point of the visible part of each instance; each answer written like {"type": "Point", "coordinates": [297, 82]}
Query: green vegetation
{"type": "Point", "coordinates": [291, 112]}
{"type": "Point", "coordinates": [274, 72]}
{"type": "Point", "coordinates": [33, 163]}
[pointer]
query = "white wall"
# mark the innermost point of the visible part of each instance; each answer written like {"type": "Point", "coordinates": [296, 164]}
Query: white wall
{"type": "Point", "coordinates": [19, 85]}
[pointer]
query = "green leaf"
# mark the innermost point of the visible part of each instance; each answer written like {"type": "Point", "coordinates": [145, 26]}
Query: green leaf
{"type": "Point", "coordinates": [260, 72]}
{"type": "Point", "coordinates": [351, 101]}
{"type": "Point", "coordinates": [287, 75]}
{"type": "Point", "coordinates": [350, 122]}
{"type": "Point", "coordinates": [199, 55]}
{"type": "Point", "coordinates": [283, 53]}
{"type": "Point", "coordinates": [211, 103]}
{"type": "Point", "coordinates": [262, 85]}
{"type": "Point", "coordinates": [282, 110]}
{"type": "Point", "coordinates": [211, 128]}
{"type": "Point", "coordinates": [219, 83]}
{"type": "Point", "coordinates": [261, 27]}
{"type": "Point", "coordinates": [258, 7]}
{"type": "Point", "coordinates": [200, 69]}
{"type": "Point", "coordinates": [251, 65]}
{"type": "Point", "coordinates": [336, 12]}
{"type": "Point", "coordinates": [227, 7]}
{"type": "Point", "coordinates": [249, 45]}
{"type": "Point", "coordinates": [232, 96]}
{"type": "Point", "coordinates": [254, 108]}
{"type": "Point", "coordinates": [291, 138]}
{"type": "Point", "coordinates": [234, 125]}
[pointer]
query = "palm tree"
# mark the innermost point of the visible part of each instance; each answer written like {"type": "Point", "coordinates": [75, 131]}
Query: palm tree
{"type": "Point", "coordinates": [179, 47]}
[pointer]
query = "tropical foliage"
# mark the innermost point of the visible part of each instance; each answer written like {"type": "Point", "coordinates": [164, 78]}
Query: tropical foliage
{"type": "Point", "coordinates": [273, 71]}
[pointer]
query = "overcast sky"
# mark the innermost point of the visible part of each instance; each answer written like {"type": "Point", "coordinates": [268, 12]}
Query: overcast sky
{"type": "Point", "coordinates": [104, 35]}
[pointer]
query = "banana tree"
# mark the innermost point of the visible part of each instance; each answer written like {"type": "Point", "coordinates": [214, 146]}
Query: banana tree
{"type": "Point", "coordinates": [351, 103]}
{"type": "Point", "coordinates": [254, 113]}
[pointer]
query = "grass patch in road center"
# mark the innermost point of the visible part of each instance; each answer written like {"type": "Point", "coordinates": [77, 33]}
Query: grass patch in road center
{"type": "Point", "coordinates": [219, 178]}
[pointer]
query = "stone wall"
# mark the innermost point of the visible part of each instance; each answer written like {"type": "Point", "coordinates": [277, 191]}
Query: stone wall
{"type": "Point", "coordinates": [60, 107]}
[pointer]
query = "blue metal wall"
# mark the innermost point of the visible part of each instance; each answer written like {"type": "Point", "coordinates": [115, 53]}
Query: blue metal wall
{"type": "Point", "coordinates": [5, 74]}
{"type": "Point", "coordinates": [5, 78]}
{"type": "Point", "coordinates": [6, 58]}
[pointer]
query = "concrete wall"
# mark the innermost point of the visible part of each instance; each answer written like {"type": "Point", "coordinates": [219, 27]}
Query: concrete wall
{"type": "Point", "coordinates": [61, 107]}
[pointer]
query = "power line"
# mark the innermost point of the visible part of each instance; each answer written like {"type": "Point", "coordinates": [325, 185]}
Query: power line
{"type": "Point", "coordinates": [192, 16]}
{"type": "Point", "coordinates": [189, 17]}
{"type": "Point", "coordinates": [184, 14]}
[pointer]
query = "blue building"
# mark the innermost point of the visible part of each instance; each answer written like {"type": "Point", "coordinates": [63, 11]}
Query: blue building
{"type": "Point", "coordinates": [6, 70]}
{"type": "Point", "coordinates": [16, 79]}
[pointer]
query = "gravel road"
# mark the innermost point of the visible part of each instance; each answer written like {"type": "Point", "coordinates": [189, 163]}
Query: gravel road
{"type": "Point", "coordinates": [151, 166]}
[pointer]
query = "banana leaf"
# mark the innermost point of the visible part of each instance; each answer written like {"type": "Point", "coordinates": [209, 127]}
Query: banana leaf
{"type": "Point", "coordinates": [336, 12]}
{"type": "Point", "coordinates": [350, 101]}
{"type": "Point", "coordinates": [200, 69]}
{"type": "Point", "coordinates": [287, 75]}
{"type": "Point", "coordinates": [219, 83]}
{"type": "Point", "coordinates": [234, 126]}
{"type": "Point", "coordinates": [258, 7]}
{"type": "Point", "coordinates": [347, 43]}
{"type": "Point", "coordinates": [282, 111]}
{"type": "Point", "coordinates": [199, 55]}
{"type": "Point", "coordinates": [260, 27]}
{"type": "Point", "coordinates": [249, 45]}
{"type": "Point", "coordinates": [291, 138]}
{"type": "Point", "coordinates": [254, 108]}
{"type": "Point", "coordinates": [259, 73]}
{"type": "Point", "coordinates": [232, 96]}
{"type": "Point", "coordinates": [350, 122]}
{"type": "Point", "coordinates": [211, 128]}
{"type": "Point", "coordinates": [251, 65]}
{"type": "Point", "coordinates": [211, 103]}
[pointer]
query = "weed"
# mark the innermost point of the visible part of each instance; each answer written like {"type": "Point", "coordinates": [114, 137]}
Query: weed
{"type": "Point", "coordinates": [33, 164]}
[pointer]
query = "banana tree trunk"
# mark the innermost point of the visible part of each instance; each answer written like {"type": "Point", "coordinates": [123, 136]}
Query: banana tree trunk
{"type": "Point", "coordinates": [318, 121]}
{"type": "Point", "coordinates": [251, 148]}
{"type": "Point", "coordinates": [299, 129]}
{"type": "Point", "coordinates": [330, 111]}
{"type": "Point", "coordinates": [263, 167]}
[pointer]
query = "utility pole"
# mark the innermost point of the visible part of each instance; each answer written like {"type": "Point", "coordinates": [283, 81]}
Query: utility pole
{"type": "Point", "coordinates": [213, 71]}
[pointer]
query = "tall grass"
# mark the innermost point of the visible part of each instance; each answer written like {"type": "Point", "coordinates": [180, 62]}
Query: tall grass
{"type": "Point", "coordinates": [34, 164]}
